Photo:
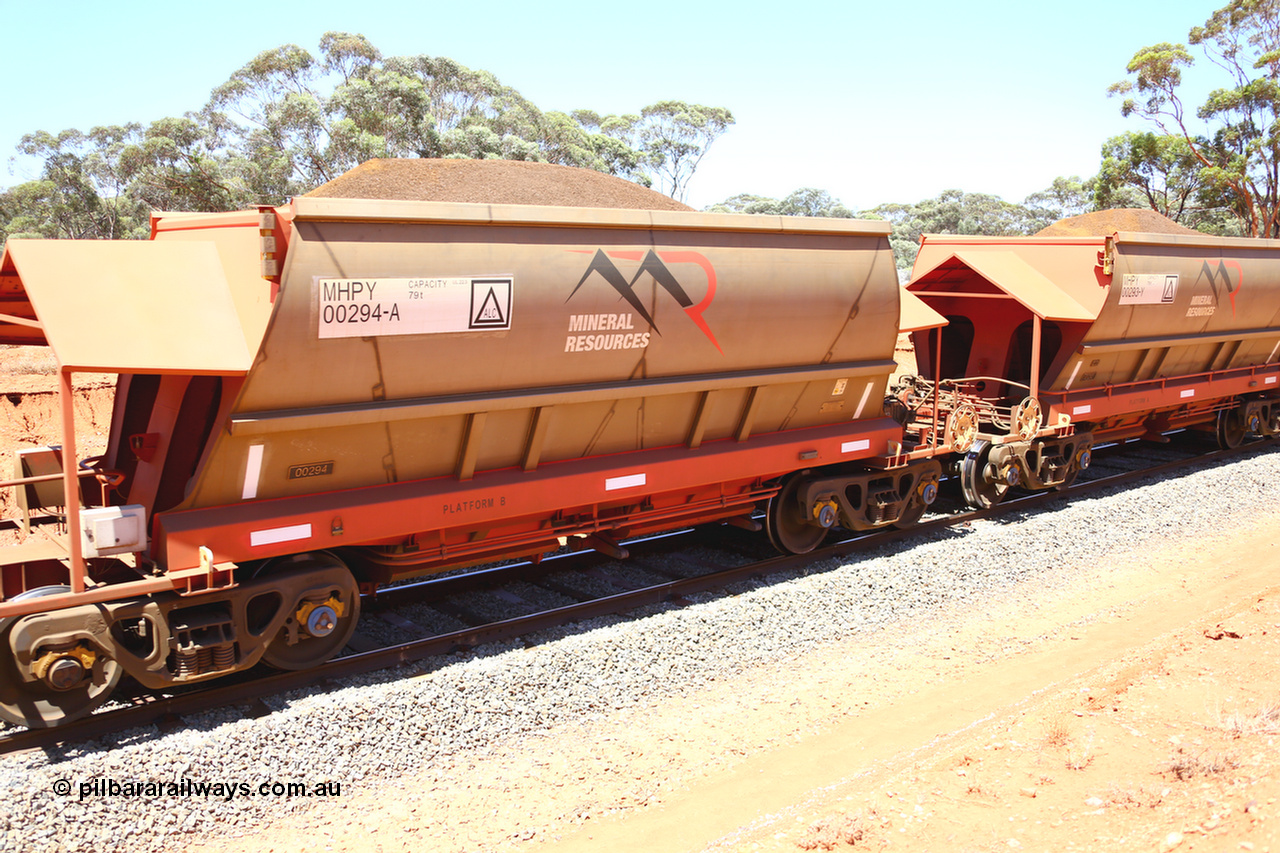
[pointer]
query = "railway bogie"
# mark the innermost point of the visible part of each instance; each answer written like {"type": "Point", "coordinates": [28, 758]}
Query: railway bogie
{"type": "Point", "coordinates": [810, 503]}
{"type": "Point", "coordinates": [63, 662]}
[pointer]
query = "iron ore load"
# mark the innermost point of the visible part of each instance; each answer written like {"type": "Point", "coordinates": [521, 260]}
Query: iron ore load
{"type": "Point", "coordinates": [359, 386]}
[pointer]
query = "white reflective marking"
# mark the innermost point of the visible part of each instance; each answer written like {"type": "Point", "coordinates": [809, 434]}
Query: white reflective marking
{"type": "Point", "coordinates": [1082, 410]}
{"type": "Point", "coordinates": [863, 402]}
{"type": "Point", "coordinates": [252, 472]}
{"type": "Point", "coordinates": [279, 534]}
{"type": "Point", "coordinates": [1190, 392]}
{"type": "Point", "coordinates": [1073, 374]}
{"type": "Point", "coordinates": [1271, 380]}
{"type": "Point", "coordinates": [626, 482]}
{"type": "Point", "coordinates": [854, 446]}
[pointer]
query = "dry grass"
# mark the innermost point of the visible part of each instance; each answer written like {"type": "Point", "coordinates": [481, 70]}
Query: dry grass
{"type": "Point", "coordinates": [1130, 797]}
{"type": "Point", "coordinates": [1264, 721]}
{"type": "Point", "coordinates": [1080, 755]}
{"type": "Point", "coordinates": [1057, 734]}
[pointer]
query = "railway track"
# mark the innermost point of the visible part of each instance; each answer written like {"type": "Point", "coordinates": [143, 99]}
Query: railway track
{"type": "Point", "coordinates": [1113, 466]}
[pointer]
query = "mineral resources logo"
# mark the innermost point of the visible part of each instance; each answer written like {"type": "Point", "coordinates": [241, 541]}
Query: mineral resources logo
{"type": "Point", "coordinates": [1230, 283]}
{"type": "Point", "coordinates": [618, 326]}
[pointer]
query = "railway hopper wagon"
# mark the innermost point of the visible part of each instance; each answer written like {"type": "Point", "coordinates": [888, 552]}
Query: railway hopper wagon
{"type": "Point", "coordinates": [322, 397]}
{"type": "Point", "coordinates": [1053, 344]}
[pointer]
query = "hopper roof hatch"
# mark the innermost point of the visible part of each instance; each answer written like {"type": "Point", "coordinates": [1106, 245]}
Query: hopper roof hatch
{"type": "Point", "coordinates": [122, 306]}
{"type": "Point", "coordinates": [914, 315]}
{"type": "Point", "coordinates": [1006, 272]}
{"type": "Point", "coordinates": [117, 307]}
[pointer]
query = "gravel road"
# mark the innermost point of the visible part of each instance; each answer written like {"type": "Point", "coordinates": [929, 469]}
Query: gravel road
{"type": "Point", "coordinates": [391, 724]}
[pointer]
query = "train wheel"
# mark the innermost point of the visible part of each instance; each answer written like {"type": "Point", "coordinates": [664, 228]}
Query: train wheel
{"type": "Point", "coordinates": [980, 490]}
{"type": "Point", "coordinates": [75, 680]}
{"type": "Point", "coordinates": [318, 627]}
{"type": "Point", "coordinates": [789, 530]}
{"type": "Point", "coordinates": [1231, 429]}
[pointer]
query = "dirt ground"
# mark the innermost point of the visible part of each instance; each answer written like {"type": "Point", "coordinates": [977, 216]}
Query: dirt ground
{"type": "Point", "coordinates": [1140, 713]}
{"type": "Point", "coordinates": [30, 414]}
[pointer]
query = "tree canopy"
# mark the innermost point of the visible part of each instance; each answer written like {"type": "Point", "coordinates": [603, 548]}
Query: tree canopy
{"type": "Point", "coordinates": [958, 212]}
{"type": "Point", "coordinates": [675, 137]}
{"type": "Point", "coordinates": [806, 201]}
{"type": "Point", "coordinates": [951, 212]}
{"type": "Point", "coordinates": [1232, 160]}
{"type": "Point", "coordinates": [290, 119]}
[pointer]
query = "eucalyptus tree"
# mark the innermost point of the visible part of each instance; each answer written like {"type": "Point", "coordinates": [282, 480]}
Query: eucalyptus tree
{"type": "Point", "coordinates": [82, 190]}
{"type": "Point", "coordinates": [1238, 149]}
{"type": "Point", "coordinates": [614, 143]}
{"type": "Point", "coordinates": [675, 136]}
{"type": "Point", "coordinates": [952, 212]}
{"type": "Point", "coordinates": [1065, 197]}
{"type": "Point", "coordinates": [326, 115]}
{"type": "Point", "coordinates": [289, 120]}
{"type": "Point", "coordinates": [1155, 170]}
{"type": "Point", "coordinates": [806, 201]}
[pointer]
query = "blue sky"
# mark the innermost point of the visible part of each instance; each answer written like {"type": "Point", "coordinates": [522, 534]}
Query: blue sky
{"type": "Point", "coordinates": [871, 101]}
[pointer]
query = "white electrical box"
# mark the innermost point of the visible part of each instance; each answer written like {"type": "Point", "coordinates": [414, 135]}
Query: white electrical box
{"type": "Point", "coordinates": [109, 530]}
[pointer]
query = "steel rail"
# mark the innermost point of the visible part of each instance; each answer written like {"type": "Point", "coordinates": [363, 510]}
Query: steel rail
{"type": "Point", "coordinates": [151, 711]}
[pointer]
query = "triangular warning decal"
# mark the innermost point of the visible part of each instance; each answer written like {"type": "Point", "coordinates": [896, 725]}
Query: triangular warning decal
{"type": "Point", "coordinates": [490, 304]}
{"type": "Point", "coordinates": [489, 310]}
